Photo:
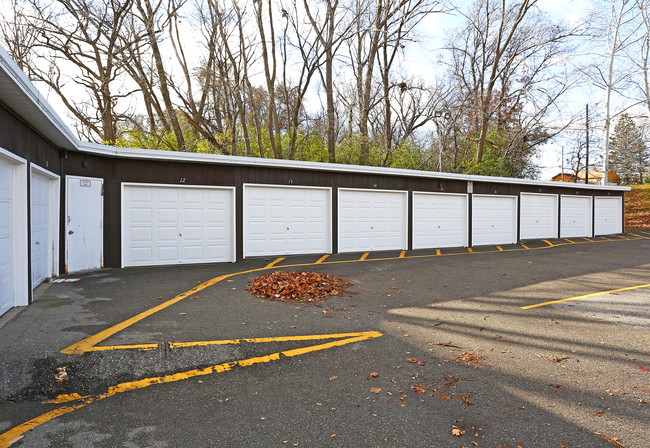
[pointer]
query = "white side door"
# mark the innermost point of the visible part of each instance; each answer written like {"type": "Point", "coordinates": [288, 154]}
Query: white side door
{"type": "Point", "coordinates": [608, 215]}
{"type": "Point", "coordinates": [372, 220]}
{"type": "Point", "coordinates": [538, 216]}
{"type": "Point", "coordinates": [439, 220]}
{"type": "Point", "coordinates": [494, 219]}
{"type": "Point", "coordinates": [44, 224]}
{"type": "Point", "coordinates": [6, 237]}
{"type": "Point", "coordinates": [84, 234]}
{"type": "Point", "coordinates": [281, 220]}
{"type": "Point", "coordinates": [575, 216]}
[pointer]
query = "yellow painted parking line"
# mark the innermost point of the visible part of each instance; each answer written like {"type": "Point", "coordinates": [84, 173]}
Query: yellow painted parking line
{"type": "Point", "coordinates": [273, 263]}
{"type": "Point", "coordinates": [500, 248]}
{"type": "Point", "coordinates": [14, 434]}
{"type": "Point", "coordinates": [570, 241]}
{"type": "Point", "coordinates": [469, 249]}
{"type": "Point", "coordinates": [591, 241]}
{"type": "Point", "coordinates": [525, 247]}
{"type": "Point", "coordinates": [402, 253]}
{"type": "Point", "coordinates": [321, 259]}
{"type": "Point", "coordinates": [584, 296]}
{"type": "Point", "coordinates": [640, 236]}
{"type": "Point", "coordinates": [92, 341]}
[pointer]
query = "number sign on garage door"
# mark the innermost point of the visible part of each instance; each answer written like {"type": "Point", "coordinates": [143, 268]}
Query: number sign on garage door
{"type": "Point", "coordinates": [538, 216]}
{"type": "Point", "coordinates": [575, 216]}
{"type": "Point", "coordinates": [176, 225]}
{"type": "Point", "coordinates": [608, 215]}
{"type": "Point", "coordinates": [439, 220]}
{"type": "Point", "coordinates": [281, 220]}
{"type": "Point", "coordinates": [494, 219]}
{"type": "Point", "coordinates": [372, 220]}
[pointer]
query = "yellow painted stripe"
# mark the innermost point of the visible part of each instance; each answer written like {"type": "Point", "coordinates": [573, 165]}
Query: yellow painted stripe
{"type": "Point", "coordinates": [525, 247]}
{"type": "Point", "coordinates": [591, 241]}
{"type": "Point", "coordinates": [469, 249]}
{"type": "Point", "coordinates": [567, 239]}
{"type": "Point", "coordinates": [273, 263]}
{"type": "Point", "coordinates": [311, 337]}
{"type": "Point", "coordinates": [364, 256]}
{"type": "Point", "coordinates": [584, 297]}
{"type": "Point", "coordinates": [321, 259]}
{"type": "Point", "coordinates": [88, 343]}
{"type": "Point", "coordinates": [9, 437]}
{"type": "Point", "coordinates": [500, 248]}
{"type": "Point", "coordinates": [402, 254]}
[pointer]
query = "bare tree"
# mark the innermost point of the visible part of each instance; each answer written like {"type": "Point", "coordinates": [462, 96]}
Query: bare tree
{"type": "Point", "coordinates": [82, 44]}
{"type": "Point", "coordinates": [19, 33]}
{"type": "Point", "coordinates": [505, 56]}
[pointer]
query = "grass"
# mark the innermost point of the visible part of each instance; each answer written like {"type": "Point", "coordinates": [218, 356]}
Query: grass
{"type": "Point", "coordinates": [637, 208]}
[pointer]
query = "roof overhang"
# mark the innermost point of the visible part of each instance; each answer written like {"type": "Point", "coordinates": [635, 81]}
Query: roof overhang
{"type": "Point", "coordinates": [21, 96]}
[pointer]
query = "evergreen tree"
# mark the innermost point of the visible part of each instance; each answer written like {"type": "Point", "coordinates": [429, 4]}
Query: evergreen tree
{"type": "Point", "coordinates": [629, 155]}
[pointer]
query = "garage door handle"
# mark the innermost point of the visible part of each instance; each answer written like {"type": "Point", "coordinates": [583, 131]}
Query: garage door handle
{"type": "Point", "coordinates": [287, 228]}
{"type": "Point", "coordinates": [37, 243]}
{"type": "Point", "coordinates": [70, 232]}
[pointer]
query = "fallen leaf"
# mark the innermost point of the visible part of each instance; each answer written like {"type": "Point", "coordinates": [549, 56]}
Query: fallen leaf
{"type": "Point", "coordinates": [447, 344]}
{"type": "Point", "coordinates": [333, 378]}
{"type": "Point", "coordinates": [233, 289]}
{"type": "Point", "coordinates": [645, 369]}
{"type": "Point", "coordinates": [557, 389]}
{"type": "Point", "coordinates": [561, 445]}
{"type": "Point", "coordinates": [611, 440]}
{"type": "Point", "coordinates": [413, 360]}
{"type": "Point", "coordinates": [334, 435]}
{"type": "Point", "coordinates": [374, 374]}
{"type": "Point", "coordinates": [418, 390]}
{"type": "Point", "coordinates": [455, 431]}
{"type": "Point", "coordinates": [375, 390]}
{"type": "Point", "coordinates": [182, 314]}
{"type": "Point", "coordinates": [422, 363]}
{"type": "Point", "coordinates": [444, 396]}
{"type": "Point", "coordinates": [159, 298]}
{"type": "Point", "coordinates": [401, 404]}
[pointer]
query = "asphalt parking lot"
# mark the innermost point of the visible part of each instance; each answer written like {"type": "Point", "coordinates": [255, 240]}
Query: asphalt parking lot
{"type": "Point", "coordinates": [537, 345]}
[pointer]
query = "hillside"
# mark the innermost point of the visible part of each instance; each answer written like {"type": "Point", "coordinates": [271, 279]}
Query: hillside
{"type": "Point", "coordinates": [637, 208]}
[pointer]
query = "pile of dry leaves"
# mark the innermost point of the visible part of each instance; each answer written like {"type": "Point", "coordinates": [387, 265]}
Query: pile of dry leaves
{"type": "Point", "coordinates": [289, 286]}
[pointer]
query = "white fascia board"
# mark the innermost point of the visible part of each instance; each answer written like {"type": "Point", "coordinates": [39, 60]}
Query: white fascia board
{"type": "Point", "coordinates": [178, 156]}
{"type": "Point", "coordinates": [18, 92]}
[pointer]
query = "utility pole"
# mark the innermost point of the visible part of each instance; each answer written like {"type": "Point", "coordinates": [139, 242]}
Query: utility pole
{"type": "Point", "coordinates": [587, 163]}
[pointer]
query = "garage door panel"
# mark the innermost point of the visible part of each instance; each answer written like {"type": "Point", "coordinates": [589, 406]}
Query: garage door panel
{"type": "Point", "coordinates": [372, 220]}
{"type": "Point", "coordinates": [6, 237]}
{"type": "Point", "coordinates": [282, 220]}
{"type": "Point", "coordinates": [439, 220]}
{"type": "Point", "coordinates": [175, 225]}
{"type": "Point", "coordinates": [608, 215]}
{"type": "Point", "coordinates": [538, 216]}
{"type": "Point", "coordinates": [575, 217]}
{"type": "Point", "coordinates": [494, 220]}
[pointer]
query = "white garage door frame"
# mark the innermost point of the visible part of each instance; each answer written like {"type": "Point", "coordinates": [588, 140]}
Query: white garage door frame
{"type": "Point", "coordinates": [604, 223]}
{"type": "Point", "coordinates": [233, 234]}
{"type": "Point", "coordinates": [18, 239]}
{"type": "Point", "coordinates": [548, 229]}
{"type": "Point", "coordinates": [565, 230]}
{"type": "Point", "coordinates": [511, 238]}
{"type": "Point", "coordinates": [403, 243]}
{"type": "Point", "coordinates": [54, 188]}
{"type": "Point", "coordinates": [84, 223]}
{"type": "Point", "coordinates": [420, 239]}
{"type": "Point", "coordinates": [327, 246]}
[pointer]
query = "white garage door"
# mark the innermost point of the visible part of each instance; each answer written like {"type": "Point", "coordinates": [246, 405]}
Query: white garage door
{"type": "Point", "coordinates": [439, 220]}
{"type": "Point", "coordinates": [575, 216]}
{"type": "Point", "coordinates": [608, 215]}
{"type": "Point", "coordinates": [494, 220]}
{"type": "Point", "coordinates": [44, 224]}
{"type": "Point", "coordinates": [538, 216]}
{"type": "Point", "coordinates": [372, 220]}
{"type": "Point", "coordinates": [6, 237]}
{"type": "Point", "coordinates": [177, 225]}
{"type": "Point", "coordinates": [282, 220]}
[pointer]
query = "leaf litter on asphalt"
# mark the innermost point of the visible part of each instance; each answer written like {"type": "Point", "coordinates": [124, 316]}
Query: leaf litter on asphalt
{"type": "Point", "coordinates": [290, 286]}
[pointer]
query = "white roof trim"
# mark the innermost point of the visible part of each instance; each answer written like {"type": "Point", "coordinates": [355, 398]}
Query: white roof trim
{"type": "Point", "coordinates": [177, 156]}
{"type": "Point", "coordinates": [35, 99]}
